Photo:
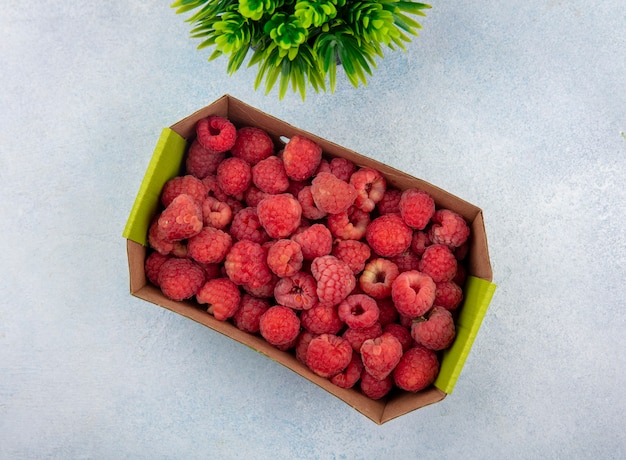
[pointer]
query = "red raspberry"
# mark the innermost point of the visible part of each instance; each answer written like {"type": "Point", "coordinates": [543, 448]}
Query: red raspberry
{"type": "Point", "coordinates": [381, 355]}
{"type": "Point", "coordinates": [201, 162]}
{"type": "Point", "coordinates": [438, 262]}
{"type": "Point", "coordinates": [265, 291]}
{"type": "Point", "coordinates": [182, 219]}
{"type": "Point", "coordinates": [188, 185]}
{"type": "Point", "coordinates": [358, 310]}
{"type": "Point", "coordinates": [284, 258]}
{"type": "Point", "coordinates": [352, 252]}
{"type": "Point", "coordinates": [246, 226]}
{"type": "Point", "coordinates": [279, 325]}
{"type": "Point", "coordinates": [252, 144]}
{"type": "Point", "coordinates": [334, 277]}
{"type": "Point", "coordinates": [342, 168]}
{"type": "Point", "coordinates": [406, 261]}
{"type": "Point", "coordinates": [403, 334]}
{"type": "Point", "coordinates": [253, 196]}
{"type": "Point", "coordinates": [436, 331]}
{"type": "Point", "coordinates": [157, 238]}
{"type": "Point", "coordinates": [269, 175]}
{"type": "Point", "coordinates": [321, 319]}
{"type": "Point", "coordinates": [249, 313]}
{"type": "Point", "coordinates": [448, 228]}
{"type": "Point", "coordinates": [416, 208]}
{"type": "Point", "coordinates": [246, 264]}
{"type": "Point", "coordinates": [153, 264]}
{"type": "Point", "coordinates": [351, 374]}
{"type": "Point", "coordinates": [448, 295]}
{"type": "Point", "coordinates": [215, 213]}
{"type": "Point", "coordinates": [374, 388]}
{"type": "Point", "coordinates": [420, 242]}
{"type": "Point", "coordinates": [234, 176]}
{"type": "Point", "coordinates": [216, 133]}
{"type": "Point", "coordinates": [180, 279]}
{"type": "Point", "coordinates": [377, 277]}
{"type": "Point", "coordinates": [349, 225]}
{"type": "Point", "coordinates": [413, 293]}
{"type": "Point", "coordinates": [297, 291]}
{"type": "Point", "coordinates": [324, 166]}
{"type": "Point", "coordinates": [316, 241]}
{"type": "Point", "coordinates": [390, 202]}
{"type": "Point", "coordinates": [302, 345]}
{"type": "Point", "coordinates": [212, 271]}
{"type": "Point", "coordinates": [210, 246]}
{"type": "Point", "coordinates": [417, 369]}
{"type": "Point", "coordinates": [370, 186]}
{"type": "Point", "coordinates": [388, 313]}
{"type": "Point", "coordinates": [388, 235]}
{"type": "Point", "coordinates": [328, 355]}
{"type": "Point", "coordinates": [356, 336]}
{"type": "Point", "coordinates": [213, 188]}
{"type": "Point", "coordinates": [222, 297]}
{"type": "Point", "coordinates": [301, 156]}
{"type": "Point", "coordinates": [332, 195]}
{"type": "Point", "coordinates": [279, 214]}
{"type": "Point", "coordinates": [309, 209]}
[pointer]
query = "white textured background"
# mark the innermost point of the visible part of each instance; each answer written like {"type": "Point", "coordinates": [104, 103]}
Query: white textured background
{"type": "Point", "coordinates": [518, 107]}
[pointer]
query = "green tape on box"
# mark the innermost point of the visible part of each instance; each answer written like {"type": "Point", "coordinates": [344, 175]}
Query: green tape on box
{"type": "Point", "coordinates": [164, 165]}
{"type": "Point", "coordinates": [478, 294]}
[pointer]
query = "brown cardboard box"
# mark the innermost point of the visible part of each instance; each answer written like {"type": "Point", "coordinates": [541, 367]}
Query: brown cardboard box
{"type": "Point", "coordinates": [167, 162]}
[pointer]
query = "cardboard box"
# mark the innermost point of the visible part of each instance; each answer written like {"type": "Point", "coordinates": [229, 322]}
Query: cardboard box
{"type": "Point", "coordinates": [168, 161]}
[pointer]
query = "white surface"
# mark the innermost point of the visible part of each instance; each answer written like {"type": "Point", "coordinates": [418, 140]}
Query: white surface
{"type": "Point", "coordinates": [518, 107]}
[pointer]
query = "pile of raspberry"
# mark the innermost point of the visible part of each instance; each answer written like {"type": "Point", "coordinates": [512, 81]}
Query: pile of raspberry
{"type": "Point", "coordinates": [324, 259]}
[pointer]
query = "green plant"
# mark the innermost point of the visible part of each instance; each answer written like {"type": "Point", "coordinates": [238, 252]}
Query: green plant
{"type": "Point", "coordinates": [300, 43]}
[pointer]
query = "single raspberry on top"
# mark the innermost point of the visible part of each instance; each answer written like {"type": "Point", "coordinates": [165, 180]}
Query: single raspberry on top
{"type": "Point", "coordinates": [222, 297]}
{"type": "Point", "coordinates": [381, 355]}
{"type": "Point", "coordinates": [448, 295]}
{"type": "Point", "coordinates": [279, 325]}
{"type": "Point", "coordinates": [332, 195]}
{"type": "Point", "coordinates": [210, 246]}
{"type": "Point", "coordinates": [153, 264]}
{"type": "Point", "coordinates": [358, 310]}
{"type": "Point", "coordinates": [328, 355]}
{"type": "Point", "coordinates": [181, 219]}
{"type": "Point", "coordinates": [234, 176]}
{"type": "Point", "coordinates": [435, 331]}
{"type": "Point", "coordinates": [413, 293]}
{"type": "Point", "coordinates": [390, 202]}
{"type": "Point", "coordinates": [334, 277]}
{"type": "Point", "coordinates": [416, 208]}
{"type": "Point", "coordinates": [342, 168]}
{"type": "Point", "coordinates": [279, 214]}
{"type": "Point", "coordinates": [315, 241]}
{"type": "Point", "coordinates": [216, 133]}
{"type": "Point", "coordinates": [388, 235]}
{"type": "Point", "coordinates": [449, 228]}
{"type": "Point", "coordinates": [201, 162]}
{"type": "Point", "coordinates": [249, 313]}
{"type": "Point", "coordinates": [179, 185]}
{"type": "Point", "coordinates": [374, 388]}
{"type": "Point", "coordinates": [351, 374]}
{"type": "Point", "coordinates": [215, 213]}
{"type": "Point", "coordinates": [377, 277]}
{"type": "Point", "coordinates": [438, 262]}
{"type": "Point", "coordinates": [354, 253]}
{"type": "Point", "coordinates": [284, 258]}
{"type": "Point", "coordinates": [246, 264]}
{"type": "Point", "coordinates": [370, 186]}
{"type": "Point", "coordinates": [180, 279]}
{"type": "Point", "coordinates": [269, 175]}
{"type": "Point", "coordinates": [297, 291]}
{"type": "Point", "coordinates": [349, 225]}
{"type": "Point", "coordinates": [246, 226]}
{"type": "Point", "coordinates": [252, 144]}
{"type": "Point", "coordinates": [417, 369]}
{"type": "Point", "coordinates": [321, 319]}
{"type": "Point", "coordinates": [301, 157]}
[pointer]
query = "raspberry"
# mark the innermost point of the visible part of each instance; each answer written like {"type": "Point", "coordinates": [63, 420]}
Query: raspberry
{"type": "Point", "coordinates": [210, 246]}
{"type": "Point", "coordinates": [416, 208]}
{"type": "Point", "coordinates": [334, 277]}
{"type": "Point", "coordinates": [182, 219]}
{"type": "Point", "coordinates": [301, 156]}
{"type": "Point", "coordinates": [420, 242]}
{"type": "Point", "coordinates": [358, 310]}
{"type": "Point", "coordinates": [374, 388]}
{"type": "Point", "coordinates": [249, 313]}
{"type": "Point", "coordinates": [413, 293]}
{"type": "Point", "coordinates": [269, 175]}
{"type": "Point", "coordinates": [403, 334]}
{"type": "Point", "coordinates": [377, 277]}
{"type": "Point", "coordinates": [342, 168]}
{"type": "Point", "coordinates": [328, 354]}
{"type": "Point", "coordinates": [201, 162]}
{"type": "Point", "coordinates": [216, 133]}
{"type": "Point", "coordinates": [309, 209]}
{"type": "Point", "coordinates": [438, 262]}
{"type": "Point", "coordinates": [213, 187]}
{"type": "Point", "coordinates": [390, 202]}
{"type": "Point", "coordinates": [349, 225]}
{"type": "Point", "coordinates": [448, 228]}
{"type": "Point", "coordinates": [153, 264]}
{"type": "Point", "coordinates": [435, 331]}
{"type": "Point", "coordinates": [246, 264]}
{"type": "Point", "coordinates": [381, 355]}
{"type": "Point", "coordinates": [279, 214]}
{"type": "Point", "coordinates": [279, 325]}
{"type": "Point", "coordinates": [356, 336]}
{"type": "Point", "coordinates": [417, 369]}
{"type": "Point", "coordinates": [212, 270]}
{"type": "Point", "coordinates": [406, 261]}
{"type": "Point", "coordinates": [157, 238]}
{"type": "Point", "coordinates": [352, 252]}
{"type": "Point", "coordinates": [370, 186]}
{"type": "Point", "coordinates": [332, 195]}
{"type": "Point", "coordinates": [234, 176]}
{"type": "Point", "coordinates": [246, 226]}
{"type": "Point", "coordinates": [448, 295]}
{"type": "Point", "coordinates": [302, 345]}
{"type": "Point", "coordinates": [387, 311]}
{"type": "Point", "coordinates": [297, 291]}
{"type": "Point", "coordinates": [316, 241]}
{"type": "Point", "coordinates": [388, 235]}
{"type": "Point", "coordinates": [295, 187]}
{"type": "Point", "coordinates": [321, 319]}
{"type": "Point", "coordinates": [264, 291]}
{"type": "Point", "coordinates": [180, 279]}
{"type": "Point", "coordinates": [351, 374]}
{"type": "Point", "coordinates": [188, 185]}
{"type": "Point", "coordinates": [215, 213]}
{"type": "Point", "coordinates": [222, 297]}
{"type": "Point", "coordinates": [252, 144]}
{"type": "Point", "coordinates": [253, 196]}
{"type": "Point", "coordinates": [284, 258]}
{"type": "Point", "coordinates": [324, 166]}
